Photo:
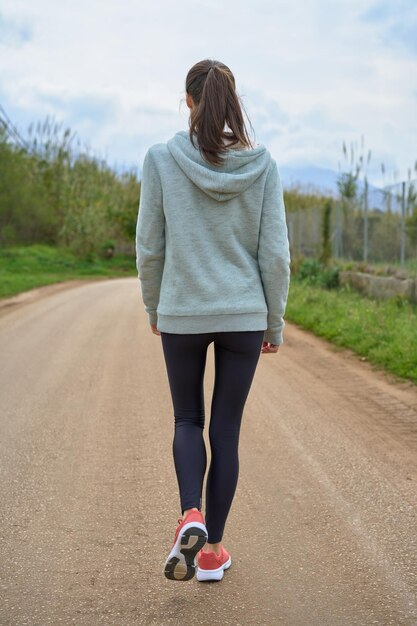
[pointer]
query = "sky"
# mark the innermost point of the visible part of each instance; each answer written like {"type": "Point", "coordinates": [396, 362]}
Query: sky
{"type": "Point", "coordinates": [310, 74]}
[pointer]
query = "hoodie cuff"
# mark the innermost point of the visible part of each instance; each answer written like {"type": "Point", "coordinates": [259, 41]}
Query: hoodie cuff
{"type": "Point", "coordinates": [153, 317]}
{"type": "Point", "coordinates": [273, 337]}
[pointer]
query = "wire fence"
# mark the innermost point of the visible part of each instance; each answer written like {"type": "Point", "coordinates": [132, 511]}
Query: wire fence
{"type": "Point", "coordinates": [379, 226]}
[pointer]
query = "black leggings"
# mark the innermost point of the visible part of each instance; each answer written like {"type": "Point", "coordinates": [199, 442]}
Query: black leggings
{"type": "Point", "coordinates": [236, 358]}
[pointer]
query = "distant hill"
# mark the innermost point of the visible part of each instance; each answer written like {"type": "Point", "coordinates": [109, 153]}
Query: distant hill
{"type": "Point", "coordinates": [322, 180]}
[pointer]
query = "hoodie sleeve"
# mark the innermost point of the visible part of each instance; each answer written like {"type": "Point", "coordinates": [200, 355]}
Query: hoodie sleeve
{"type": "Point", "coordinates": [150, 237]}
{"type": "Point", "coordinates": [274, 255]}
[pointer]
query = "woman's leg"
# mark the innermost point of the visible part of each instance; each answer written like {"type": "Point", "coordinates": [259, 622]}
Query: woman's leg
{"type": "Point", "coordinates": [185, 359]}
{"type": "Point", "coordinates": [236, 358]}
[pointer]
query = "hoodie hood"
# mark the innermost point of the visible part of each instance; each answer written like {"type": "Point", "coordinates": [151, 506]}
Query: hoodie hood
{"type": "Point", "coordinates": [238, 171]}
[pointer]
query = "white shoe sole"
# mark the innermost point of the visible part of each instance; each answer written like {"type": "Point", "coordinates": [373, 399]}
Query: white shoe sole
{"type": "Point", "coordinates": [181, 561]}
{"type": "Point", "coordinates": [213, 574]}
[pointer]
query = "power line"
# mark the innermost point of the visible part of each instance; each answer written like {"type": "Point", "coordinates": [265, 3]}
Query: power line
{"type": "Point", "coordinates": [8, 130]}
{"type": "Point", "coordinates": [11, 129]}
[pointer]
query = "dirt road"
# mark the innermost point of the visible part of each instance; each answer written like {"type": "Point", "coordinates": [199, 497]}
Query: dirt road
{"type": "Point", "coordinates": [323, 528]}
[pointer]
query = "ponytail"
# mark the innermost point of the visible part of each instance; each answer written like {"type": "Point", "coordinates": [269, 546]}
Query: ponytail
{"type": "Point", "coordinates": [212, 88]}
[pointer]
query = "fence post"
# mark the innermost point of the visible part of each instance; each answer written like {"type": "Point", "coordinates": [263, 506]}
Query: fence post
{"type": "Point", "coordinates": [337, 230]}
{"type": "Point", "coordinates": [299, 230]}
{"type": "Point", "coordinates": [365, 223]}
{"type": "Point", "coordinates": [402, 251]}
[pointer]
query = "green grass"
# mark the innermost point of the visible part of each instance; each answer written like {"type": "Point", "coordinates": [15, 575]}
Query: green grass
{"type": "Point", "coordinates": [385, 332]}
{"type": "Point", "coordinates": [26, 267]}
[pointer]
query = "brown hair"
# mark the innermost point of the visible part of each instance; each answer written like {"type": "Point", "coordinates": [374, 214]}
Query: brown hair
{"type": "Point", "coordinates": [212, 88]}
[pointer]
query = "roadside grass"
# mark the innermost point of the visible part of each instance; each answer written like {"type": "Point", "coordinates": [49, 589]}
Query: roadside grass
{"type": "Point", "coordinates": [384, 332]}
{"type": "Point", "coordinates": [26, 267]}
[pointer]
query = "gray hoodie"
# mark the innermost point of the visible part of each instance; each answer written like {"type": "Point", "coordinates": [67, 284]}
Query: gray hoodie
{"type": "Point", "coordinates": [212, 249]}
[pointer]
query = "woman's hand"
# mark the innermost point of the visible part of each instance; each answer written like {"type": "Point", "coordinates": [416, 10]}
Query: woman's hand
{"type": "Point", "coordinates": [268, 347]}
{"type": "Point", "coordinates": [155, 330]}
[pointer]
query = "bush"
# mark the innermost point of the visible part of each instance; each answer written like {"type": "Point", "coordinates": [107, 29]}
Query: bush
{"type": "Point", "coordinates": [296, 262]}
{"type": "Point", "coordinates": [107, 249]}
{"type": "Point", "coordinates": [330, 278]}
{"type": "Point", "coordinates": [313, 272]}
{"type": "Point", "coordinates": [310, 269]}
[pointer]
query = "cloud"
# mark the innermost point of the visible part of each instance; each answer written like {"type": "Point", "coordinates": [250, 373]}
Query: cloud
{"type": "Point", "coordinates": [85, 108]}
{"type": "Point", "coordinates": [14, 33]}
{"type": "Point", "coordinates": [311, 74]}
{"type": "Point", "coordinates": [396, 22]}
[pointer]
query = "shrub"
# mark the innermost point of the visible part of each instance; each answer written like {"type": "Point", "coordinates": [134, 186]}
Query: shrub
{"type": "Point", "coordinates": [296, 262]}
{"type": "Point", "coordinates": [107, 249]}
{"type": "Point", "coordinates": [313, 272]}
{"type": "Point", "coordinates": [310, 269]}
{"type": "Point", "coordinates": [330, 277]}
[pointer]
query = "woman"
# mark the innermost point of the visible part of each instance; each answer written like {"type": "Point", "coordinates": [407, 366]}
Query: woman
{"type": "Point", "coordinates": [213, 261]}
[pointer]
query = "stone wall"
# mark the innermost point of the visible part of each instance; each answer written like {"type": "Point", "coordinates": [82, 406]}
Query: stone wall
{"type": "Point", "coordinates": [381, 287]}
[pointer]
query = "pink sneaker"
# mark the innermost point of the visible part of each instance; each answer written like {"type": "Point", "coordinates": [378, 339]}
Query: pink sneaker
{"type": "Point", "coordinates": [211, 566]}
{"type": "Point", "coordinates": [190, 537]}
